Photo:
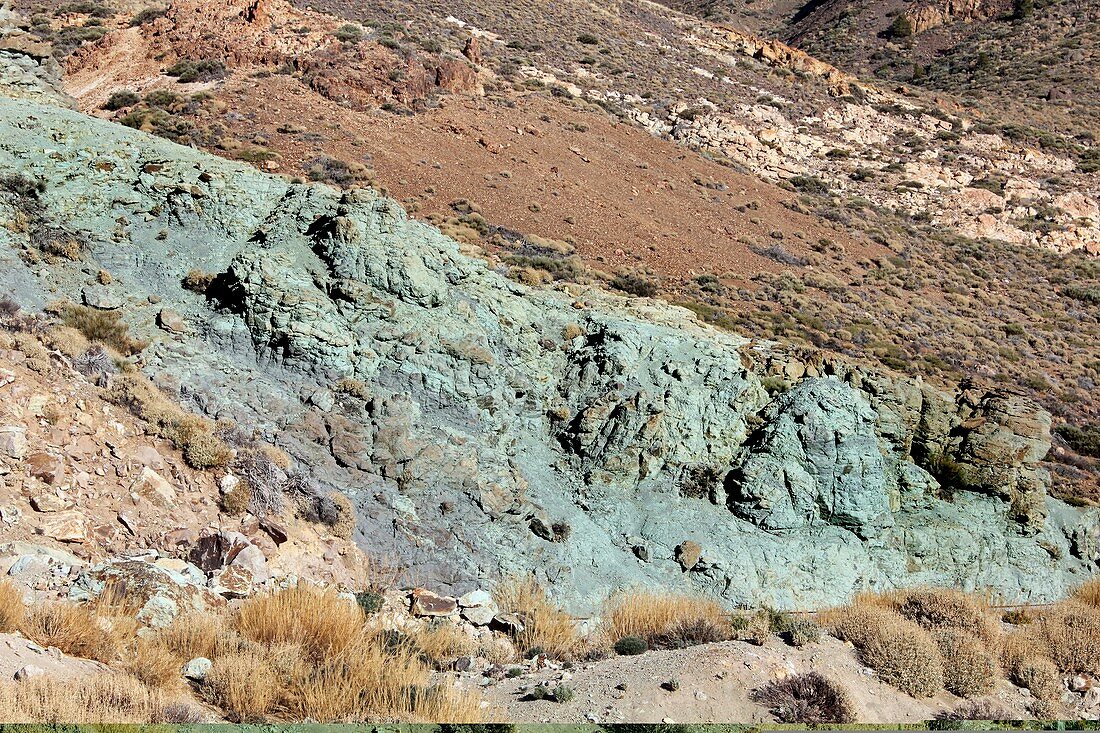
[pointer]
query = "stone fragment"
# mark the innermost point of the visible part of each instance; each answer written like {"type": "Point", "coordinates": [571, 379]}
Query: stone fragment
{"type": "Point", "coordinates": [13, 441]}
{"type": "Point", "coordinates": [171, 321]}
{"type": "Point", "coordinates": [426, 603]}
{"type": "Point", "coordinates": [48, 469]}
{"type": "Point", "coordinates": [48, 502]}
{"type": "Point", "coordinates": [196, 669]}
{"type": "Point", "coordinates": [688, 554]}
{"type": "Point", "coordinates": [28, 672]}
{"type": "Point", "coordinates": [69, 526]}
{"type": "Point", "coordinates": [235, 581]}
{"type": "Point", "coordinates": [153, 487]}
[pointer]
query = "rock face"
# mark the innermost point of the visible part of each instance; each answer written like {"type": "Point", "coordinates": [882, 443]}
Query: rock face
{"type": "Point", "coordinates": [491, 409]}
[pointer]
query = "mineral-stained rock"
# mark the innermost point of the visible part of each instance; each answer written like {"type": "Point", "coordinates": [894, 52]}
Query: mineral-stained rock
{"type": "Point", "coordinates": [688, 554]}
{"type": "Point", "coordinates": [153, 487]}
{"type": "Point", "coordinates": [70, 526]}
{"type": "Point", "coordinates": [477, 403]}
{"type": "Point", "coordinates": [159, 594]}
{"type": "Point", "coordinates": [45, 467]}
{"type": "Point", "coordinates": [426, 603]}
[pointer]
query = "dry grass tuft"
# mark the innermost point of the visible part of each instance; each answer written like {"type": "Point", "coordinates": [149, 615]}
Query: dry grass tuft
{"type": "Point", "coordinates": [192, 635]}
{"type": "Point", "coordinates": [154, 664]}
{"type": "Point", "coordinates": [1089, 593]}
{"type": "Point", "coordinates": [244, 685]}
{"type": "Point", "coordinates": [666, 621]}
{"type": "Point", "coordinates": [440, 644]}
{"type": "Point", "coordinates": [190, 433]}
{"type": "Point", "coordinates": [546, 626]}
{"type": "Point", "coordinates": [106, 698]}
{"type": "Point", "coordinates": [12, 609]}
{"type": "Point", "coordinates": [76, 630]}
{"type": "Point", "coordinates": [102, 327]}
{"type": "Point", "coordinates": [313, 618]}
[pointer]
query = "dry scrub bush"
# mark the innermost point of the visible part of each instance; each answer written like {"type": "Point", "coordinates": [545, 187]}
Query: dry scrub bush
{"type": "Point", "coordinates": [75, 630]}
{"type": "Point", "coordinates": [154, 664]}
{"type": "Point", "coordinates": [100, 326]}
{"type": "Point", "coordinates": [806, 699]}
{"type": "Point", "coordinates": [190, 433]}
{"type": "Point", "coordinates": [192, 635]}
{"type": "Point", "coordinates": [944, 608]}
{"type": "Point", "coordinates": [901, 651]}
{"type": "Point", "coordinates": [978, 710]}
{"type": "Point", "coordinates": [666, 621]}
{"type": "Point", "coordinates": [1069, 634]}
{"type": "Point", "coordinates": [546, 626]}
{"type": "Point", "coordinates": [968, 667]}
{"type": "Point", "coordinates": [11, 607]}
{"type": "Point", "coordinates": [105, 698]}
{"type": "Point", "coordinates": [346, 519]}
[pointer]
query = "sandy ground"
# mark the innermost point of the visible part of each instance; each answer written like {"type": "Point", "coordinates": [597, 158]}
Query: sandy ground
{"type": "Point", "coordinates": [715, 682]}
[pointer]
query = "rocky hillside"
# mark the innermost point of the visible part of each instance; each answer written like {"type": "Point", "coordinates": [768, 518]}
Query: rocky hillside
{"type": "Point", "coordinates": [486, 428]}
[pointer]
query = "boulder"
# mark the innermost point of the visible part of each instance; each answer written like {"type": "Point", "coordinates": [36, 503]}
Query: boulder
{"type": "Point", "coordinates": [159, 594]}
{"type": "Point", "coordinates": [68, 526]}
{"type": "Point", "coordinates": [196, 669]}
{"type": "Point", "coordinates": [47, 468]}
{"type": "Point", "coordinates": [154, 488]}
{"type": "Point", "coordinates": [13, 441]}
{"type": "Point", "coordinates": [426, 603]}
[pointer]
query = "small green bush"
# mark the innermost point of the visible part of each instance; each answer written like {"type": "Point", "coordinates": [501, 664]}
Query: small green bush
{"type": "Point", "coordinates": [370, 601]}
{"type": "Point", "coordinates": [120, 99]}
{"type": "Point", "coordinates": [629, 646]}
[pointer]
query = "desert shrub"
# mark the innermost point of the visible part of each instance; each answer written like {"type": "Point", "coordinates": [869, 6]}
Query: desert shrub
{"type": "Point", "coordinates": [801, 631]}
{"type": "Point", "coordinates": [188, 432]}
{"type": "Point", "coordinates": [345, 519]}
{"type": "Point", "coordinates": [665, 621]}
{"type": "Point", "coordinates": [11, 607]}
{"type": "Point", "coordinates": [349, 33]}
{"type": "Point", "coordinates": [265, 481]}
{"type": "Point", "coordinates": [545, 625]}
{"type": "Point", "coordinates": [562, 694]}
{"type": "Point", "coordinates": [186, 70]}
{"type": "Point", "coordinates": [899, 650]}
{"type": "Point", "coordinates": [1040, 676]}
{"type": "Point", "coordinates": [777, 253]}
{"type": "Point", "coordinates": [1085, 439]}
{"type": "Point", "coordinates": [968, 667]}
{"type": "Point", "coordinates": [806, 699]}
{"type": "Point", "coordinates": [191, 635]}
{"type": "Point", "coordinates": [198, 281]}
{"type": "Point", "coordinates": [1069, 634]}
{"type": "Point", "coordinates": [95, 362]}
{"type": "Point", "coordinates": [58, 242]}
{"type": "Point", "coordinates": [629, 646]}
{"type": "Point", "coordinates": [944, 608]}
{"type": "Point", "coordinates": [370, 602]}
{"type": "Point", "coordinates": [146, 15]}
{"type": "Point", "coordinates": [635, 285]}
{"type": "Point", "coordinates": [754, 628]}
{"type": "Point", "coordinates": [100, 326]}
{"type": "Point", "coordinates": [120, 99]}
{"type": "Point", "coordinates": [901, 27]}
{"type": "Point", "coordinates": [336, 172]}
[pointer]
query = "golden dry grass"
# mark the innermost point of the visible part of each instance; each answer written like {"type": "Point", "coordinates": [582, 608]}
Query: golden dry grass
{"type": "Point", "coordinates": [105, 698]}
{"type": "Point", "coordinates": [1089, 593]}
{"type": "Point", "coordinates": [244, 685]}
{"type": "Point", "coordinates": [11, 607]}
{"type": "Point", "coordinates": [75, 630]}
{"type": "Point", "coordinates": [316, 619]}
{"type": "Point", "coordinates": [192, 635]}
{"type": "Point", "coordinates": [946, 608]}
{"type": "Point", "coordinates": [546, 626]}
{"type": "Point", "coordinates": [442, 643]}
{"type": "Point", "coordinates": [154, 664]}
{"type": "Point", "coordinates": [664, 620]}
{"type": "Point", "coordinates": [969, 669]}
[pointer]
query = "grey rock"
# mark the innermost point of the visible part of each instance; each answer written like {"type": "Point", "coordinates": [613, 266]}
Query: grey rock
{"type": "Point", "coordinates": [28, 672]}
{"type": "Point", "coordinates": [649, 425]}
{"type": "Point", "coordinates": [197, 669]}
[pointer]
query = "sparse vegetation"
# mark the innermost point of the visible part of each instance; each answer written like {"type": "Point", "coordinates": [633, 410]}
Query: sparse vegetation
{"type": "Point", "coordinates": [545, 626]}
{"type": "Point", "coordinates": [807, 699]}
{"type": "Point", "coordinates": [665, 621]}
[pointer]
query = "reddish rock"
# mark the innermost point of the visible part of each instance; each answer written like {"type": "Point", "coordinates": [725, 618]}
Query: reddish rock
{"type": "Point", "coordinates": [65, 527]}
{"type": "Point", "coordinates": [472, 50]}
{"type": "Point", "coordinates": [426, 603]}
{"type": "Point", "coordinates": [46, 468]}
{"type": "Point", "coordinates": [688, 554]}
{"type": "Point", "coordinates": [455, 76]}
{"type": "Point", "coordinates": [274, 530]}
